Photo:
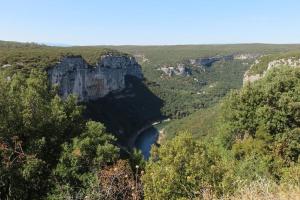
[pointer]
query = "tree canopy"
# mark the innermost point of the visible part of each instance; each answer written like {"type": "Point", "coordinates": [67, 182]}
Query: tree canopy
{"type": "Point", "coordinates": [44, 141]}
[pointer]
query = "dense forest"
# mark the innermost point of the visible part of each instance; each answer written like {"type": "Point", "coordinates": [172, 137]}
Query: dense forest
{"type": "Point", "coordinates": [246, 142]}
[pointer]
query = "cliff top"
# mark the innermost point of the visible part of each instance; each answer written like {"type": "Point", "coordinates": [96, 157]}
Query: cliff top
{"type": "Point", "coordinates": [26, 56]}
{"type": "Point", "coordinates": [262, 63]}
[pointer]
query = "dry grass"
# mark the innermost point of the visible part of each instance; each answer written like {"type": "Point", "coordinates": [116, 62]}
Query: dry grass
{"type": "Point", "coordinates": [266, 190]}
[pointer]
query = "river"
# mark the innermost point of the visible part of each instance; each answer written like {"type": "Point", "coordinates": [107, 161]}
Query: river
{"type": "Point", "coordinates": [145, 140]}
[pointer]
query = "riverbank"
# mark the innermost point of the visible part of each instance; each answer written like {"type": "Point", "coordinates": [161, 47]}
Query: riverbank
{"type": "Point", "coordinates": [146, 140]}
{"type": "Point", "coordinates": [148, 135]}
{"type": "Point", "coordinates": [132, 140]}
{"type": "Point", "coordinates": [157, 124]}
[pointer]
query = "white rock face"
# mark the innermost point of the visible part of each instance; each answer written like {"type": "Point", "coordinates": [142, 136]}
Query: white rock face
{"type": "Point", "coordinates": [251, 78]}
{"type": "Point", "coordinates": [208, 61]}
{"type": "Point", "coordinates": [245, 56]}
{"type": "Point", "coordinates": [291, 62]}
{"type": "Point", "coordinates": [180, 70]}
{"type": "Point", "coordinates": [74, 76]}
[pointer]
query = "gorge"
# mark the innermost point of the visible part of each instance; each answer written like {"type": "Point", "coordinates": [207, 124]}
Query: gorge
{"type": "Point", "coordinates": [122, 106]}
{"type": "Point", "coordinates": [111, 75]}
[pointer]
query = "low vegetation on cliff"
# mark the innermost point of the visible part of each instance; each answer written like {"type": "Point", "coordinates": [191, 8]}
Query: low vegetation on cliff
{"type": "Point", "coordinates": [290, 58]}
{"type": "Point", "coordinates": [20, 57]}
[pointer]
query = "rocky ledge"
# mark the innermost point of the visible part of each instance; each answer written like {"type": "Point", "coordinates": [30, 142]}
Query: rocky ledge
{"type": "Point", "coordinates": [180, 70]}
{"type": "Point", "coordinates": [75, 76]}
{"type": "Point", "coordinates": [250, 78]}
{"type": "Point", "coordinates": [208, 61]}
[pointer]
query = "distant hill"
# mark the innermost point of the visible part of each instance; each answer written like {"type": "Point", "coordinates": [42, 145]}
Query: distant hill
{"type": "Point", "coordinates": [12, 44]}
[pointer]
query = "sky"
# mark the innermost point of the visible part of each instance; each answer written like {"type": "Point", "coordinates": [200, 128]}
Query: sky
{"type": "Point", "coordinates": [150, 22]}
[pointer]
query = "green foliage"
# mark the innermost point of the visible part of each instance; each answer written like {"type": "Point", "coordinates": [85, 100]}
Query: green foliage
{"type": "Point", "coordinates": [262, 124]}
{"type": "Point", "coordinates": [183, 168]}
{"type": "Point", "coordinates": [291, 175]}
{"type": "Point", "coordinates": [200, 124]}
{"type": "Point", "coordinates": [48, 151]}
{"type": "Point", "coordinates": [85, 155]}
{"type": "Point", "coordinates": [36, 131]}
{"type": "Point", "coordinates": [176, 53]}
{"type": "Point", "coordinates": [262, 66]}
{"type": "Point", "coordinates": [258, 137]}
{"type": "Point", "coordinates": [34, 122]}
{"type": "Point", "coordinates": [25, 57]}
{"type": "Point", "coordinates": [183, 95]}
{"type": "Point", "coordinates": [137, 159]}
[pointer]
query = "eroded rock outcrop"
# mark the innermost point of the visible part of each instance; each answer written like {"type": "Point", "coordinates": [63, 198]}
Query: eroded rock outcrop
{"type": "Point", "coordinates": [75, 76]}
{"type": "Point", "coordinates": [208, 61]}
{"type": "Point", "coordinates": [180, 70]}
{"type": "Point", "coordinates": [293, 62]}
{"type": "Point", "coordinates": [249, 77]}
{"type": "Point", "coordinates": [246, 56]}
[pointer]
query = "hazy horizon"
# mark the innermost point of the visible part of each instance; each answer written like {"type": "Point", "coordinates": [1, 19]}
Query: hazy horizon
{"type": "Point", "coordinates": [141, 45]}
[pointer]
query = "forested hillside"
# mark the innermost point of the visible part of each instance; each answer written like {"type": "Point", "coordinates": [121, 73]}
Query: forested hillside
{"type": "Point", "coordinates": [224, 140]}
{"type": "Point", "coordinates": [203, 87]}
{"type": "Point", "coordinates": [203, 121]}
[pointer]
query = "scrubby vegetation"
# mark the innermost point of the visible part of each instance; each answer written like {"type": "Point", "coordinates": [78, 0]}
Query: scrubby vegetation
{"type": "Point", "coordinates": [185, 95]}
{"type": "Point", "coordinates": [19, 57]}
{"type": "Point", "coordinates": [200, 119]}
{"type": "Point", "coordinates": [200, 124]}
{"type": "Point", "coordinates": [47, 150]}
{"type": "Point", "coordinates": [262, 66]}
{"type": "Point", "coordinates": [257, 139]}
{"type": "Point", "coordinates": [265, 189]}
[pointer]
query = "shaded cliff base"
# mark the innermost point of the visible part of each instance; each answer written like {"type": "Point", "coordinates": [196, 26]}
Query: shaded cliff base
{"type": "Point", "coordinates": [126, 111]}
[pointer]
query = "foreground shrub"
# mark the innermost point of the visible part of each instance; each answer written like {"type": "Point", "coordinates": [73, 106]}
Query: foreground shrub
{"type": "Point", "coordinates": [261, 125]}
{"type": "Point", "coordinates": [34, 122]}
{"type": "Point", "coordinates": [183, 168]}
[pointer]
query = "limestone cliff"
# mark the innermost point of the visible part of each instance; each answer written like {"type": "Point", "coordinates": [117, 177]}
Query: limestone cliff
{"type": "Point", "coordinates": [75, 76]}
{"type": "Point", "coordinates": [250, 77]}
{"type": "Point", "coordinates": [179, 70]}
{"type": "Point", "coordinates": [208, 61]}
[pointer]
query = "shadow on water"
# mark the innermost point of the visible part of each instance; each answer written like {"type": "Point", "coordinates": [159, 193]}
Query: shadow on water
{"type": "Point", "coordinates": [127, 111]}
{"type": "Point", "coordinates": [145, 141]}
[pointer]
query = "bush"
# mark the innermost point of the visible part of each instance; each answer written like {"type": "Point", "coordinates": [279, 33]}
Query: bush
{"type": "Point", "coordinates": [183, 168]}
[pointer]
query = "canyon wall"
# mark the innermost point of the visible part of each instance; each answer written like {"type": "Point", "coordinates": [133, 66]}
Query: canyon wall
{"type": "Point", "coordinates": [250, 77]}
{"type": "Point", "coordinates": [75, 76]}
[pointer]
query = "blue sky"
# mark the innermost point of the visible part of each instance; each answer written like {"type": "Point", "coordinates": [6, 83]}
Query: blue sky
{"type": "Point", "coordinates": [149, 22]}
